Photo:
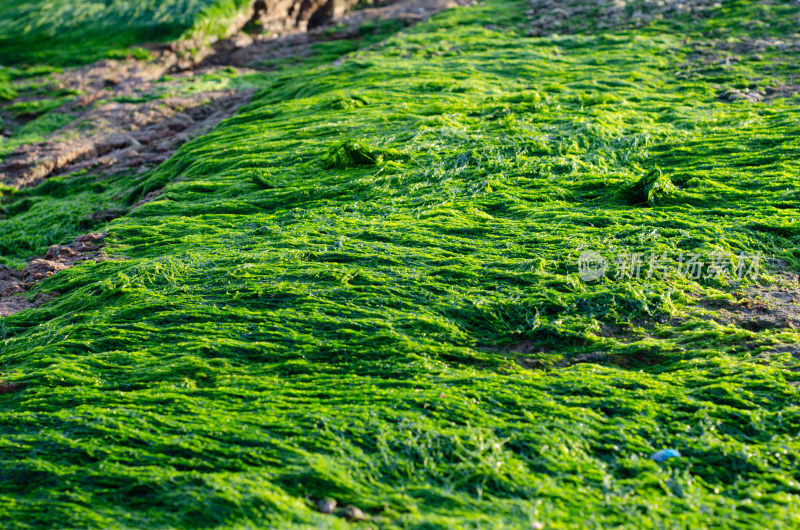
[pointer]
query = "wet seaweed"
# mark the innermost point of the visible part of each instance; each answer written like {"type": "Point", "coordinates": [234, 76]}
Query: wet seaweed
{"type": "Point", "coordinates": [413, 337]}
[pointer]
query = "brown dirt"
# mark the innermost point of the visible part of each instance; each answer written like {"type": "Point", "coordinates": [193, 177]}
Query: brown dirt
{"type": "Point", "coordinates": [121, 136]}
{"type": "Point", "coordinates": [286, 15]}
{"type": "Point", "coordinates": [60, 257]}
{"type": "Point", "coordinates": [11, 288]}
{"type": "Point", "coordinates": [550, 16]}
{"type": "Point", "coordinates": [10, 305]}
{"type": "Point", "coordinates": [7, 387]}
{"type": "Point", "coordinates": [254, 51]}
{"type": "Point", "coordinates": [111, 135]}
{"type": "Point", "coordinates": [15, 284]}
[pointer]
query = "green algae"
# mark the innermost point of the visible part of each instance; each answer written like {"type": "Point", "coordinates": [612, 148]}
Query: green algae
{"type": "Point", "coordinates": [652, 189]}
{"type": "Point", "coordinates": [56, 211]}
{"type": "Point", "coordinates": [350, 153]}
{"type": "Point", "coordinates": [79, 31]}
{"type": "Point", "coordinates": [278, 328]}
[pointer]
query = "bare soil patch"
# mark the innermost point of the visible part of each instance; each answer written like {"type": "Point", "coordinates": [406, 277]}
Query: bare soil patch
{"type": "Point", "coordinates": [14, 284]}
{"type": "Point", "coordinates": [121, 136]}
{"type": "Point", "coordinates": [7, 387]}
{"type": "Point", "coordinates": [571, 16]}
{"type": "Point", "coordinates": [254, 51]}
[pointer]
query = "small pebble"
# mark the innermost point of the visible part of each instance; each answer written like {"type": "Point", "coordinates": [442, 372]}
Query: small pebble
{"type": "Point", "coordinates": [353, 513]}
{"type": "Point", "coordinates": [536, 525]}
{"type": "Point", "coordinates": [665, 454]}
{"type": "Point", "coordinates": [326, 505]}
{"type": "Point", "coordinates": [7, 387]}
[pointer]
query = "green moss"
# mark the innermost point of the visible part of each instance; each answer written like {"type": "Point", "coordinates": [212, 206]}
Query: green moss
{"type": "Point", "coordinates": [215, 19]}
{"type": "Point", "coordinates": [652, 189]}
{"type": "Point", "coordinates": [56, 211]}
{"type": "Point", "coordinates": [136, 52]}
{"type": "Point", "coordinates": [45, 124]}
{"type": "Point", "coordinates": [7, 91]}
{"type": "Point", "coordinates": [34, 108]}
{"type": "Point", "coordinates": [36, 129]}
{"type": "Point", "coordinates": [79, 31]}
{"type": "Point", "coordinates": [349, 153]}
{"type": "Point", "coordinates": [399, 335]}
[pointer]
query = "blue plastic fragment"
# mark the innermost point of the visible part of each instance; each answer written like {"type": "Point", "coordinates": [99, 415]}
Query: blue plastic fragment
{"type": "Point", "coordinates": [665, 454]}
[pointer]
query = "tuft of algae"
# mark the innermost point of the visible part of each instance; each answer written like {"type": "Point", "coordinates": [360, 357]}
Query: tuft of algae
{"type": "Point", "coordinates": [348, 154]}
{"type": "Point", "coordinates": [652, 189]}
